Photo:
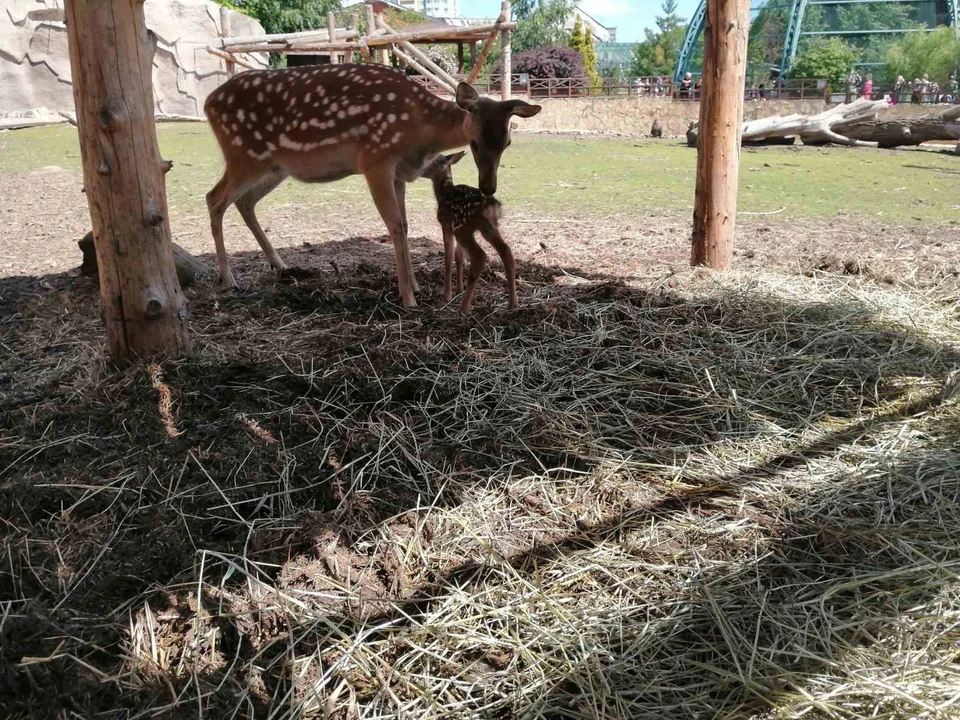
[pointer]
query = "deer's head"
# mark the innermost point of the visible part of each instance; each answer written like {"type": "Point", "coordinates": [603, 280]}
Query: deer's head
{"type": "Point", "coordinates": [487, 127]}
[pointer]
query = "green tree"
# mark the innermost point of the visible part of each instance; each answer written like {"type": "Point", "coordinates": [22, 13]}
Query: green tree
{"type": "Point", "coordinates": [581, 40]}
{"type": "Point", "coordinates": [283, 16]}
{"type": "Point", "coordinates": [936, 54]}
{"type": "Point", "coordinates": [658, 52]}
{"type": "Point", "coordinates": [541, 23]}
{"type": "Point", "coordinates": [830, 58]}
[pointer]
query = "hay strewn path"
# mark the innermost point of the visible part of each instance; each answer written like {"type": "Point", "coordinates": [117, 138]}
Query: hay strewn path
{"type": "Point", "coordinates": [646, 493]}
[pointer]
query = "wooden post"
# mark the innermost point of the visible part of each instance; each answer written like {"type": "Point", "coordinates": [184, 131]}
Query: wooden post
{"type": "Point", "coordinates": [225, 32]}
{"type": "Point", "coordinates": [144, 309]}
{"type": "Point", "coordinates": [721, 115]}
{"type": "Point", "coordinates": [332, 32]}
{"type": "Point", "coordinates": [506, 85]}
{"type": "Point", "coordinates": [461, 59]}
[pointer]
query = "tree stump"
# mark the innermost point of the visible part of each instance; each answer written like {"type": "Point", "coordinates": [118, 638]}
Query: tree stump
{"type": "Point", "coordinates": [188, 266]}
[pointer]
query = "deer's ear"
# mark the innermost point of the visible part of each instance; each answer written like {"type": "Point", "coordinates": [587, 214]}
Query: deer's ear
{"type": "Point", "coordinates": [467, 97]}
{"type": "Point", "coordinates": [522, 109]}
{"type": "Point", "coordinates": [456, 157]}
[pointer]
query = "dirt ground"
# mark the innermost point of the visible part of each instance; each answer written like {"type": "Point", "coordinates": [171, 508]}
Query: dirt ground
{"type": "Point", "coordinates": [44, 214]}
{"type": "Point", "coordinates": [330, 472]}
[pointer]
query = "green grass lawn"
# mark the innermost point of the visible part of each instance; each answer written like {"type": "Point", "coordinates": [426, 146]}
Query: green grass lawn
{"type": "Point", "coordinates": [560, 174]}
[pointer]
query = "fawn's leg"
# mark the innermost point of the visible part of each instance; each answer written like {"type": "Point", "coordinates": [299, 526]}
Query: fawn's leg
{"type": "Point", "coordinates": [380, 180]}
{"type": "Point", "coordinates": [478, 258]}
{"type": "Point", "coordinates": [246, 205]}
{"type": "Point", "coordinates": [218, 200]}
{"type": "Point", "coordinates": [491, 232]}
{"type": "Point", "coordinates": [450, 249]}
{"type": "Point", "coordinates": [460, 261]}
{"type": "Point", "coordinates": [400, 188]}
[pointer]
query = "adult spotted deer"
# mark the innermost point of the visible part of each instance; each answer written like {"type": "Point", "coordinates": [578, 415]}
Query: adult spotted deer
{"type": "Point", "coordinates": [324, 123]}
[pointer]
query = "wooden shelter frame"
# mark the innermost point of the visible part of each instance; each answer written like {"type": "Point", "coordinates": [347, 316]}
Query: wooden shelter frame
{"type": "Point", "coordinates": [338, 42]}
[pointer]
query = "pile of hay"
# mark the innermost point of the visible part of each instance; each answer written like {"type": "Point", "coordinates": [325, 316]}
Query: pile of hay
{"type": "Point", "coordinates": [727, 499]}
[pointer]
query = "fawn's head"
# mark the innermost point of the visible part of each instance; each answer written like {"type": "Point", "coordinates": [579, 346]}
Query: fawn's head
{"type": "Point", "coordinates": [487, 127]}
{"type": "Point", "coordinates": [439, 170]}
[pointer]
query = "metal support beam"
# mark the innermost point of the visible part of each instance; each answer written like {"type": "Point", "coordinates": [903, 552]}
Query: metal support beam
{"type": "Point", "coordinates": [694, 29]}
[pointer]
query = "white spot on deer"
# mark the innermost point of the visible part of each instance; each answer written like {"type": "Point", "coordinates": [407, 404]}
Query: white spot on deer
{"type": "Point", "coordinates": [286, 142]}
{"type": "Point", "coordinates": [238, 141]}
{"type": "Point", "coordinates": [229, 99]}
{"type": "Point", "coordinates": [303, 126]}
{"type": "Point", "coordinates": [253, 117]}
{"type": "Point", "coordinates": [342, 73]}
{"type": "Point", "coordinates": [334, 107]}
{"type": "Point", "coordinates": [256, 82]}
{"type": "Point", "coordinates": [258, 135]}
{"type": "Point", "coordinates": [258, 156]}
{"type": "Point", "coordinates": [279, 86]}
{"type": "Point", "coordinates": [309, 146]}
{"type": "Point", "coordinates": [286, 95]}
{"type": "Point", "coordinates": [270, 146]}
{"type": "Point", "coordinates": [321, 90]}
{"type": "Point", "coordinates": [378, 117]}
{"type": "Point", "coordinates": [316, 123]}
{"type": "Point", "coordinates": [241, 115]}
{"type": "Point", "coordinates": [396, 138]}
{"type": "Point", "coordinates": [269, 87]}
{"type": "Point", "coordinates": [391, 96]}
{"type": "Point", "coordinates": [269, 127]}
{"type": "Point", "coordinates": [260, 97]}
{"type": "Point", "coordinates": [329, 141]}
{"type": "Point", "coordinates": [363, 130]}
{"type": "Point", "coordinates": [376, 98]}
{"type": "Point", "coordinates": [342, 115]}
{"type": "Point", "coordinates": [391, 118]}
{"type": "Point", "coordinates": [234, 127]}
{"type": "Point", "coordinates": [306, 98]}
{"type": "Point", "coordinates": [246, 85]}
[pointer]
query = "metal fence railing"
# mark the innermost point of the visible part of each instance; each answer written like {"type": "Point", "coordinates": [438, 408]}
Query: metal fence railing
{"type": "Point", "coordinates": [664, 87]}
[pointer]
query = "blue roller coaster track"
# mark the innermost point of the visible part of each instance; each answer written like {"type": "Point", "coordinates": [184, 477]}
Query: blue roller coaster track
{"type": "Point", "coordinates": [794, 29]}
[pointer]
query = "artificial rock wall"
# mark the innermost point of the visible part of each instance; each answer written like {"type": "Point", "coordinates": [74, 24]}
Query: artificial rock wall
{"type": "Point", "coordinates": [35, 62]}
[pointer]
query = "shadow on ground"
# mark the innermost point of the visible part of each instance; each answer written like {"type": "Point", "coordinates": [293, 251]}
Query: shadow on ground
{"type": "Point", "coordinates": [690, 487]}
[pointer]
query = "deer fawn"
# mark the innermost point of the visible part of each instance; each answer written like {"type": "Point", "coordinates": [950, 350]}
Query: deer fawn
{"type": "Point", "coordinates": [323, 123]}
{"type": "Point", "coordinates": [463, 211]}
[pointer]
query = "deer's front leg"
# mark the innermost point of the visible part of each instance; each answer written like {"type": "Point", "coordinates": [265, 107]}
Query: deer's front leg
{"type": "Point", "coordinates": [400, 189]}
{"type": "Point", "coordinates": [380, 180]}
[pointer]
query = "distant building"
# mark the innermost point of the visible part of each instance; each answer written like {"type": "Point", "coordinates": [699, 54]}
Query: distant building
{"type": "Point", "coordinates": [601, 33]}
{"type": "Point", "coordinates": [442, 8]}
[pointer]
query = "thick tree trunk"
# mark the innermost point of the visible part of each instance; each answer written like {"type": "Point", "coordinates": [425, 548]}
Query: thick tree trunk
{"type": "Point", "coordinates": [111, 58]}
{"type": "Point", "coordinates": [721, 110]}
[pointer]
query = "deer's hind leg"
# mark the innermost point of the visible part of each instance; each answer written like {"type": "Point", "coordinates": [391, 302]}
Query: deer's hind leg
{"type": "Point", "coordinates": [491, 232]}
{"type": "Point", "coordinates": [450, 249]}
{"type": "Point", "coordinates": [478, 259]}
{"type": "Point", "coordinates": [246, 206]}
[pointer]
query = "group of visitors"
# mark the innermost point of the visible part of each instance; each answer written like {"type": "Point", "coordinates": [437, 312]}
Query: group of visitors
{"type": "Point", "coordinates": [656, 86]}
{"type": "Point", "coordinates": [921, 90]}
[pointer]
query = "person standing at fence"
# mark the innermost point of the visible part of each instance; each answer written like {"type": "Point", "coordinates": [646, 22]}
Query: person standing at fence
{"type": "Point", "coordinates": [686, 85]}
{"type": "Point", "coordinates": [866, 91]}
{"type": "Point", "coordinates": [898, 89]}
{"type": "Point", "coordinates": [853, 82]}
{"type": "Point", "coordinates": [953, 89]}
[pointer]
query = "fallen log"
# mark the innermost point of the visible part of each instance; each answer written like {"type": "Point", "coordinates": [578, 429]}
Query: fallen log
{"type": "Point", "coordinates": [904, 131]}
{"type": "Point", "coordinates": [188, 266]}
{"type": "Point", "coordinates": [855, 124]}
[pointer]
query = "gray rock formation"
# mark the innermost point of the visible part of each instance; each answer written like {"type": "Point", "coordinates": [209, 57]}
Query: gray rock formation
{"type": "Point", "coordinates": [35, 62]}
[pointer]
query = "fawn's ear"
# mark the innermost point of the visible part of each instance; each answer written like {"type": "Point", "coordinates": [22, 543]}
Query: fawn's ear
{"type": "Point", "coordinates": [456, 157]}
